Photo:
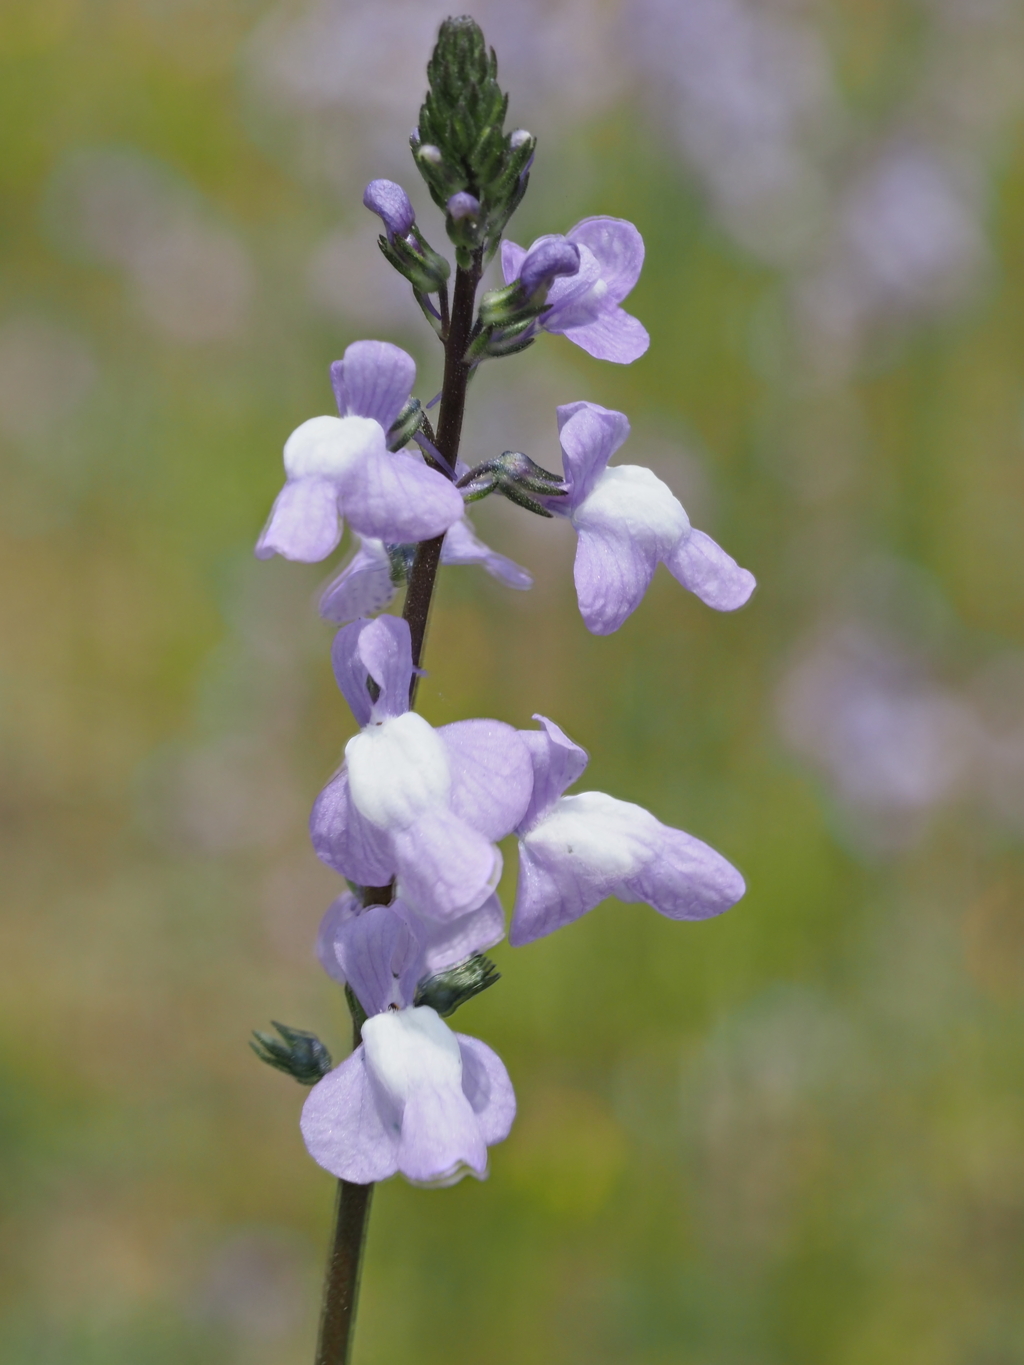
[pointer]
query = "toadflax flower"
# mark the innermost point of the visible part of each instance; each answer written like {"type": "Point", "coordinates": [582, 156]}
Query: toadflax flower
{"type": "Point", "coordinates": [341, 466]}
{"type": "Point", "coordinates": [584, 305]}
{"type": "Point", "coordinates": [370, 579]}
{"type": "Point", "coordinates": [414, 1096]}
{"type": "Point", "coordinates": [421, 804]}
{"type": "Point", "coordinates": [574, 851]}
{"type": "Point", "coordinates": [628, 521]}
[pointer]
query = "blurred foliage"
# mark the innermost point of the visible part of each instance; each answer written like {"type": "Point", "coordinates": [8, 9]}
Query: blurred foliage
{"type": "Point", "coordinates": [795, 1134]}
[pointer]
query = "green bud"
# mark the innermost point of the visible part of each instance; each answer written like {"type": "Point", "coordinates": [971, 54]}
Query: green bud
{"type": "Point", "coordinates": [405, 425]}
{"type": "Point", "coordinates": [446, 991]}
{"type": "Point", "coordinates": [301, 1054]}
{"type": "Point", "coordinates": [460, 146]}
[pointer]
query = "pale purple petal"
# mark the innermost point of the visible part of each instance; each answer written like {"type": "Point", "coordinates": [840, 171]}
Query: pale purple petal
{"type": "Point", "coordinates": [557, 764]}
{"type": "Point", "coordinates": [612, 572]}
{"type": "Point", "coordinates": [339, 912]}
{"type": "Point", "coordinates": [379, 954]}
{"type": "Point", "coordinates": [346, 841]}
{"type": "Point", "coordinates": [589, 435]}
{"type": "Point", "coordinates": [512, 257]}
{"type": "Point", "coordinates": [362, 588]}
{"type": "Point", "coordinates": [705, 568]}
{"type": "Point", "coordinates": [574, 299]}
{"type": "Point", "coordinates": [618, 248]}
{"type": "Point", "coordinates": [548, 897]}
{"type": "Point", "coordinates": [350, 671]}
{"type": "Point", "coordinates": [462, 546]}
{"type": "Point", "coordinates": [440, 1138]}
{"type": "Point", "coordinates": [398, 499]}
{"type": "Point", "coordinates": [346, 1125]}
{"type": "Point", "coordinates": [685, 879]}
{"type": "Point", "coordinates": [486, 1085]}
{"type": "Point", "coordinates": [445, 868]}
{"type": "Point", "coordinates": [304, 523]}
{"type": "Point", "coordinates": [446, 943]}
{"type": "Point", "coordinates": [492, 775]}
{"type": "Point", "coordinates": [591, 846]}
{"type": "Point", "coordinates": [373, 379]}
{"type": "Point", "coordinates": [385, 648]}
{"type": "Point", "coordinates": [616, 335]}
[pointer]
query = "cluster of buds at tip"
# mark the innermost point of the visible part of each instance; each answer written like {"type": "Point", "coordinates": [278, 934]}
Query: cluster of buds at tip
{"type": "Point", "coordinates": [515, 476]}
{"type": "Point", "coordinates": [402, 243]}
{"type": "Point", "coordinates": [300, 1054]}
{"type": "Point", "coordinates": [447, 990]}
{"type": "Point", "coordinates": [475, 171]}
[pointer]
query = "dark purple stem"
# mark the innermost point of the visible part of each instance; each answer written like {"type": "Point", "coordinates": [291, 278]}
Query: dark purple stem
{"type": "Point", "coordinates": [344, 1263]}
{"type": "Point", "coordinates": [449, 433]}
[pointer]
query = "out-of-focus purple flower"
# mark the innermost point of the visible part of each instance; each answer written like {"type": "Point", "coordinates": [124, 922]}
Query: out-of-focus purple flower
{"type": "Point", "coordinates": [463, 205]}
{"type": "Point", "coordinates": [584, 306]}
{"type": "Point", "coordinates": [413, 1097]}
{"type": "Point", "coordinates": [421, 804]}
{"type": "Point", "coordinates": [628, 521]}
{"type": "Point", "coordinates": [392, 205]}
{"type": "Point", "coordinates": [368, 583]}
{"type": "Point", "coordinates": [341, 466]}
{"type": "Point", "coordinates": [574, 851]}
{"type": "Point", "coordinates": [384, 951]}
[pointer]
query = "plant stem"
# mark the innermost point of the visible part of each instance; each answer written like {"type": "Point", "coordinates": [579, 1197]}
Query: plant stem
{"type": "Point", "coordinates": [344, 1263]}
{"type": "Point", "coordinates": [352, 1208]}
{"type": "Point", "coordinates": [449, 433]}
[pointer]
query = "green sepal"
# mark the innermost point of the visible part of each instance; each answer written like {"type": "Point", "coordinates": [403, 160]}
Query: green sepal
{"type": "Point", "coordinates": [355, 1009]}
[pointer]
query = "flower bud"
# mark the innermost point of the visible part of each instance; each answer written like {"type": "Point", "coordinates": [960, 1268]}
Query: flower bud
{"type": "Point", "coordinates": [391, 203]}
{"type": "Point", "coordinates": [463, 205]}
{"type": "Point", "coordinates": [519, 138]}
{"type": "Point", "coordinates": [430, 154]}
{"type": "Point", "coordinates": [548, 258]}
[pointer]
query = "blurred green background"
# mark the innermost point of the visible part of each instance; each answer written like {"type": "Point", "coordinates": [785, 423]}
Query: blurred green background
{"type": "Point", "coordinates": [792, 1135]}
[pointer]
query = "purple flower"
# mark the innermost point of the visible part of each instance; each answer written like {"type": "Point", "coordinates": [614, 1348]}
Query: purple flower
{"type": "Point", "coordinates": [392, 205]}
{"type": "Point", "coordinates": [384, 951]}
{"type": "Point", "coordinates": [341, 466]}
{"type": "Point", "coordinates": [421, 804]}
{"type": "Point", "coordinates": [584, 306]}
{"type": "Point", "coordinates": [628, 521]}
{"type": "Point", "coordinates": [367, 583]}
{"type": "Point", "coordinates": [413, 1097]}
{"type": "Point", "coordinates": [574, 851]}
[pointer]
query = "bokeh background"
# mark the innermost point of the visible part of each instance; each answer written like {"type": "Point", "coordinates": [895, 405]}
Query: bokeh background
{"type": "Point", "coordinates": [791, 1136]}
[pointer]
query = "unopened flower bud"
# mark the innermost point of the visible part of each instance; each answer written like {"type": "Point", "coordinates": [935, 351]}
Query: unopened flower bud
{"type": "Point", "coordinates": [391, 203]}
{"type": "Point", "coordinates": [429, 153]}
{"type": "Point", "coordinates": [519, 138]}
{"type": "Point", "coordinates": [548, 258]}
{"type": "Point", "coordinates": [463, 205]}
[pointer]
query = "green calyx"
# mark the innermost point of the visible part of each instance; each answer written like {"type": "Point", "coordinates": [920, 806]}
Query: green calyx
{"type": "Point", "coordinates": [461, 145]}
{"type": "Point", "coordinates": [299, 1054]}
{"type": "Point", "coordinates": [446, 991]}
